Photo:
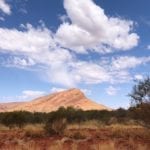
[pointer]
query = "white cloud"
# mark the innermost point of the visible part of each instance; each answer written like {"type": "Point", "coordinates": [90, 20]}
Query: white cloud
{"type": "Point", "coordinates": [89, 72]}
{"type": "Point", "coordinates": [120, 68]}
{"type": "Point", "coordinates": [86, 92]}
{"type": "Point", "coordinates": [111, 91]}
{"type": "Point", "coordinates": [125, 62]}
{"type": "Point", "coordinates": [138, 77]}
{"type": "Point", "coordinates": [91, 29]}
{"type": "Point", "coordinates": [63, 18]}
{"type": "Point", "coordinates": [116, 70]}
{"type": "Point", "coordinates": [36, 43]}
{"type": "Point", "coordinates": [32, 40]}
{"type": "Point", "coordinates": [18, 62]}
{"type": "Point", "coordinates": [25, 95]}
{"type": "Point", "coordinates": [120, 76]}
{"type": "Point", "coordinates": [56, 89]}
{"type": "Point", "coordinates": [4, 7]}
{"type": "Point", "coordinates": [59, 73]}
{"type": "Point", "coordinates": [37, 46]}
{"type": "Point", "coordinates": [29, 94]}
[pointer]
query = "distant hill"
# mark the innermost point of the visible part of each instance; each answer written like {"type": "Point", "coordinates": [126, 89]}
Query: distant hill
{"type": "Point", "coordinates": [72, 97]}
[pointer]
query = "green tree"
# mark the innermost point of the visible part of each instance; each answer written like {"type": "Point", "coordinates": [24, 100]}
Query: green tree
{"type": "Point", "coordinates": [140, 97]}
{"type": "Point", "coordinates": [141, 92]}
{"type": "Point", "coordinates": [12, 119]}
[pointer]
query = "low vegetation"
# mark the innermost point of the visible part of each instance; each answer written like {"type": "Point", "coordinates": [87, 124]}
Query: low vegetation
{"type": "Point", "coordinates": [64, 116]}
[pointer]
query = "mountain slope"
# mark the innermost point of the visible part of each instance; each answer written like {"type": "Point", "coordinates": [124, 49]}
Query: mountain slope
{"type": "Point", "coordinates": [72, 97]}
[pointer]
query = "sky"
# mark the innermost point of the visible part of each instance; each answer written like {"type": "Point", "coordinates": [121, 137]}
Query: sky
{"type": "Point", "coordinates": [99, 46]}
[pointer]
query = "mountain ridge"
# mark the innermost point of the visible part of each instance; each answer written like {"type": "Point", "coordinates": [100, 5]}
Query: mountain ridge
{"type": "Point", "coordinates": [72, 97]}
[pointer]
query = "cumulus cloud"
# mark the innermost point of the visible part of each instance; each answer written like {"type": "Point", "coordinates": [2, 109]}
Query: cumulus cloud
{"type": "Point", "coordinates": [36, 46]}
{"type": "Point", "coordinates": [32, 40]}
{"type": "Point", "coordinates": [50, 52]}
{"type": "Point", "coordinates": [60, 74]}
{"type": "Point", "coordinates": [115, 70]}
{"type": "Point", "coordinates": [92, 29]}
{"type": "Point", "coordinates": [4, 7]}
{"type": "Point", "coordinates": [126, 62]}
{"type": "Point", "coordinates": [89, 72]}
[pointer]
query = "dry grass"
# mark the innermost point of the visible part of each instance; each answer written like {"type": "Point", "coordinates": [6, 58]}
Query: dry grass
{"type": "Point", "coordinates": [95, 124]}
{"type": "Point", "coordinates": [36, 130]}
{"type": "Point", "coordinates": [91, 124]}
{"type": "Point", "coordinates": [123, 126]}
{"type": "Point", "coordinates": [90, 135]}
{"type": "Point", "coordinates": [77, 134]}
{"type": "Point", "coordinates": [3, 128]}
{"type": "Point", "coordinates": [134, 133]}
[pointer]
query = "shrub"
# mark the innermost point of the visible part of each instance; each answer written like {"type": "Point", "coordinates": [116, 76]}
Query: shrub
{"type": "Point", "coordinates": [141, 113]}
{"type": "Point", "coordinates": [140, 98]}
{"type": "Point", "coordinates": [56, 126]}
{"type": "Point", "coordinates": [11, 119]}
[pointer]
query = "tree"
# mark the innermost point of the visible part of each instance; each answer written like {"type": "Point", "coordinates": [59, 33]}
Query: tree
{"type": "Point", "coordinates": [15, 118]}
{"type": "Point", "coordinates": [57, 122]}
{"type": "Point", "coordinates": [141, 92]}
{"type": "Point", "coordinates": [140, 97]}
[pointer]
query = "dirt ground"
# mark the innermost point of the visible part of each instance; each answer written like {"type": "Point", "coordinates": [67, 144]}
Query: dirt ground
{"type": "Point", "coordinates": [75, 139]}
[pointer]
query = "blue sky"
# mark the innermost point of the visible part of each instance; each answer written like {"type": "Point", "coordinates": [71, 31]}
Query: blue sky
{"type": "Point", "coordinates": [99, 46]}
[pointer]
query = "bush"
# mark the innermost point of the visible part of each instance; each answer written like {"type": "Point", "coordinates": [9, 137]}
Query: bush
{"type": "Point", "coordinates": [56, 126]}
{"type": "Point", "coordinates": [141, 113]}
{"type": "Point", "coordinates": [11, 119]}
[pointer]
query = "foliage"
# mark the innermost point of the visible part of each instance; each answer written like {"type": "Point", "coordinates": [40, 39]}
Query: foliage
{"type": "Point", "coordinates": [141, 92]}
{"type": "Point", "coordinates": [56, 126]}
{"type": "Point", "coordinates": [20, 118]}
{"type": "Point", "coordinates": [141, 113]}
{"type": "Point", "coordinates": [140, 97]}
{"type": "Point", "coordinates": [55, 122]}
{"type": "Point", "coordinates": [14, 119]}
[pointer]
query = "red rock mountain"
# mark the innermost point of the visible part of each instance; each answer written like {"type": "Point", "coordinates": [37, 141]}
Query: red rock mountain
{"type": "Point", "coordinates": [72, 97]}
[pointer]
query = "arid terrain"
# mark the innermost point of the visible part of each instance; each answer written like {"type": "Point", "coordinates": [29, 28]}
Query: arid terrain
{"type": "Point", "coordinates": [76, 138]}
{"type": "Point", "coordinates": [69, 121]}
{"type": "Point", "coordinates": [72, 97]}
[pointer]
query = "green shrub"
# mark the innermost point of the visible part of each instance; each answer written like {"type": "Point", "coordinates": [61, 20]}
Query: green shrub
{"type": "Point", "coordinates": [12, 119]}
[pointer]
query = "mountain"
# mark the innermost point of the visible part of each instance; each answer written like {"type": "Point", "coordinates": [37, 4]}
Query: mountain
{"type": "Point", "coordinates": [72, 97]}
{"type": "Point", "coordinates": [6, 106]}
